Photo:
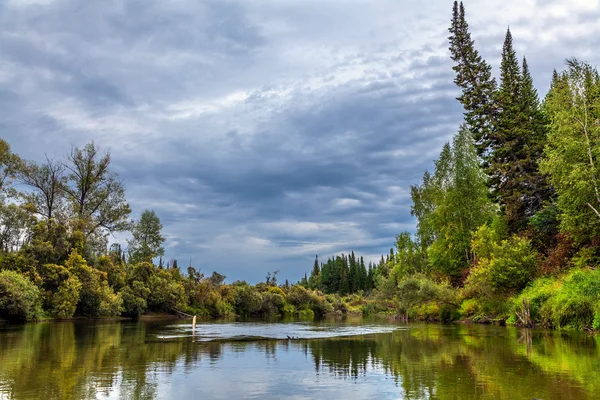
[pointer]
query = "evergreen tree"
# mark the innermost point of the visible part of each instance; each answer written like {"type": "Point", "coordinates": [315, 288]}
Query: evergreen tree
{"type": "Point", "coordinates": [517, 143]}
{"type": "Point", "coordinates": [363, 278]}
{"type": "Point", "coordinates": [326, 276]}
{"type": "Point", "coordinates": [314, 282]}
{"type": "Point", "coordinates": [353, 275]}
{"type": "Point", "coordinates": [474, 77]}
{"type": "Point", "coordinates": [369, 285]}
{"type": "Point", "coordinates": [535, 188]}
{"type": "Point", "coordinates": [344, 284]}
{"type": "Point", "coordinates": [304, 281]}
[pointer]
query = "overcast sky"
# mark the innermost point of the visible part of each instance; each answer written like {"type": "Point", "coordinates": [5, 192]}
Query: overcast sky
{"type": "Point", "coordinates": [262, 132]}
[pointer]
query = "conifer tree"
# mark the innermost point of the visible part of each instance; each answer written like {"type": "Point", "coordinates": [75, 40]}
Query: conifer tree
{"type": "Point", "coordinates": [363, 279]}
{"type": "Point", "coordinates": [314, 282]}
{"type": "Point", "coordinates": [326, 280]}
{"type": "Point", "coordinates": [353, 275]}
{"type": "Point", "coordinates": [517, 143]}
{"type": "Point", "coordinates": [344, 286]}
{"type": "Point", "coordinates": [474, 77]}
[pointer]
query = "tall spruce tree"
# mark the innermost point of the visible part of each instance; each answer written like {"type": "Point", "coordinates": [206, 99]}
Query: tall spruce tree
{"type": "Point", "coordinates": [537, 191]}
{"type": "Point", "coordinates": [353, 284]}
{"type": "Point", "coordinates": [517, 143]}
{"type": "Point", "coordinates": [314, 281]}
{"type": "Point", "coordinates": [362, 276]}
{"type": "Point", "coordinates": [474, 77]}
{"type": "Point", "coordinates": [508, 137]}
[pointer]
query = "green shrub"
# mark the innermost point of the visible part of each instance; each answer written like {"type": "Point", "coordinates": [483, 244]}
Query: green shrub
{"type": "Point", "coordinates": [20, 299]}
{"type": "Point", "coordinates": [502, 264]}
{"type": "Point", "coordinates": [306, 313]}
{"type": "Point", "coordinates": [64, 301]}
{"type": "Point", "coordinates": [418, 290]}
{"type": "Point", "coordinates": [368, 308]}
{"type": "Point", "coordinates": [568, 302]}
{"type": "Point", "coordinates": [134, 299]}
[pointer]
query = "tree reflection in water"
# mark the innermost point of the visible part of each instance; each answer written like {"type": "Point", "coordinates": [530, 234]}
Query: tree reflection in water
{"type": "Point", "coordinates": [89, 360]}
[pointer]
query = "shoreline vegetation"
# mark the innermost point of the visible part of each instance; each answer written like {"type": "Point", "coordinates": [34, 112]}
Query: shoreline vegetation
{"type": "Point", "coordinates": [508, 224]}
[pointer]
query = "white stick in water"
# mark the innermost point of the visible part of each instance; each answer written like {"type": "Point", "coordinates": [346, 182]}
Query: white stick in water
{"type": "Point", "coordinates": [194, 322]}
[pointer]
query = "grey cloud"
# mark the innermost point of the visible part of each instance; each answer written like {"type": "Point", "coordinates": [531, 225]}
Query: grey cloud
{"type": "Point", "coordinates": [261, 133]}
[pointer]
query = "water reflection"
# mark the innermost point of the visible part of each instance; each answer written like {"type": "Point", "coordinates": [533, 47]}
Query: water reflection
{"type": "Point", "coordinates": [131, 361]}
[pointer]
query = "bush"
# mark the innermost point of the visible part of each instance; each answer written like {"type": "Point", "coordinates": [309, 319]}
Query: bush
{"type": "Point", "coordinates": [20, 299]}
{"type": "Point", "coordinates": [503, 264]}
{"type": "Point", "coordinates": [134, 299]}
{"type": "Point", "coordinates": [96, 298]}
{"type": "Point", "coordinates": [64, 301]}
{"type": "Point", "coordinates": [418, 290]}
{"type": "Point", "coordinates": [247, 300]}
{"type": "Point", "coordinates": [569, 302]}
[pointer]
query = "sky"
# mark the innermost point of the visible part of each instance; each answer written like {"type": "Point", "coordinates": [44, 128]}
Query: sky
{"type": "Point", "coordinates": [262, 133]}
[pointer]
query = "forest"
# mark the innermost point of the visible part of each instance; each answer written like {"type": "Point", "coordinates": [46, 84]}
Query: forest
{"type": "Point", "coordinates": [508, 224]}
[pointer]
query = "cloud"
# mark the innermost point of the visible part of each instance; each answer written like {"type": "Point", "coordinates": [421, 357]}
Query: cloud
{"type": "Point", "coordinates": [262, 133]}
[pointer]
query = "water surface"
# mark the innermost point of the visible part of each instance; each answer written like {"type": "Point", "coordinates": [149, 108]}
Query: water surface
{"type": "Point", "coordinates": [327, 359]}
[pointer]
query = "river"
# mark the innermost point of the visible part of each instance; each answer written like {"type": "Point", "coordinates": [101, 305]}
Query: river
{"type": "Point", "coordinates": [351, 359]}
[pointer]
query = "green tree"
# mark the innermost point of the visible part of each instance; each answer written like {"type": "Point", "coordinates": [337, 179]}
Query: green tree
{"type": "Point", "coordinates": [95, 193]}
{"type": "Point", "coordinates": [15, 224]}
{"type": "Point", "coordinates": [64, 301]}
{"type": "Point", "coordinates": [48, 182]}
{"type": "Point", "coordinates": [572, 154]}
{"type": "Point", "coordinates": [516, 143]}
{"type": "Point", "coordinates": [147, 241]}
{"type": "Point", "coordinates": [362, 275]}
{"type": "Point", "coordinates": [474, 77]}
{"type": "Point", "coordinates": [9, 165]}
{"type": "Point", "coordinates": [20, 299]}
{"type": "Point", "coordinates": [314, 281]}
{"type": "Point", "coordinates": [452, 204]}
{"type": "Point", "coordinates": [96, 298]}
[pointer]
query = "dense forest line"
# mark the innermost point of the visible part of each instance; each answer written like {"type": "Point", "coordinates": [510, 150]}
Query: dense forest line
{"type": "Point", "coordinates": [508, 223]}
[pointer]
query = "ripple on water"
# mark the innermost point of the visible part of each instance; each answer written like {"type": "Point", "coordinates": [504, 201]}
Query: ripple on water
{"type": "Point", "coordinates": [248, 331]}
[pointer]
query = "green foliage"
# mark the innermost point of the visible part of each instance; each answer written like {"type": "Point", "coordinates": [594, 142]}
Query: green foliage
{"type": "Point", "coordinates": [63, 302]}
{"type": "Point", "coordinates": [450, 205]}
{"type": "Point", "coordinates": [572, 153]}
{"type": "Point", "coordinates": [96, 298]}
{"type": "Point", "coordinates": [147, 242]}
{"type": "Point", "coordinates": [473, 76]}
{"type": "Point", "coordinates": [568, 302]}
{"type": "Point", "coordinates": [516, 143]}
{"type": "Point", "coordinates": [304, 299]}
{"type": "Point", "coordinates": [420, 295]}
{"type": "Point", "coordinates": [114, 270]}
{"type": "Point", "coordinates": [166, 293]}
{"type": "Point", "coordinates": [22, 263]}
{"type": "Point", "coordinates": [15, 222]}
{"type": "Point", "coordinates": [134, 299]}
{"type": "Point", "coordinates": [95, 194]}
{"type": "Point", "coordinates": [20, 299]}
{"type": "Point", "coordinates": [506, 265]}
